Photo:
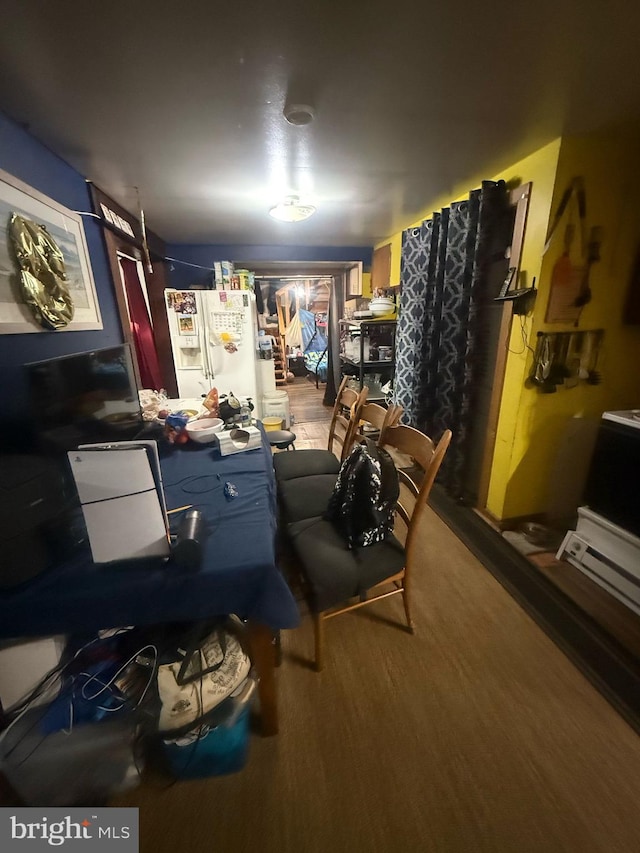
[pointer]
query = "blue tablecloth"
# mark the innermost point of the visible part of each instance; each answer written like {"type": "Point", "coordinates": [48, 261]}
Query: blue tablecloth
{"type": "Point", "coordinates": [239, 573]}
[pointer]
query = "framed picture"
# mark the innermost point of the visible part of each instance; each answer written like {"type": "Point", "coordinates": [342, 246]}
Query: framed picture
{"type": "Point", "coordinates": [67, 231]}
{"type": "Point", "coordinates": [187, 324]}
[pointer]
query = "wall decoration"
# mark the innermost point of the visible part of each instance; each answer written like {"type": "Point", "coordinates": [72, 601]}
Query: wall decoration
{"type": "Point", "coordinates": [60, 287]}
{"type": "Point", "coordinates": [564, 290]}
{"type": "Point", "coordinates": [43, 276]}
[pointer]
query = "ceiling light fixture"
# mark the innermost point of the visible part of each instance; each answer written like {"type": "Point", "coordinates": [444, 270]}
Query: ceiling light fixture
{"type": "Point", "coordinates": [290, 210]}
{"type": "Point", "coordinates": [299, 114]}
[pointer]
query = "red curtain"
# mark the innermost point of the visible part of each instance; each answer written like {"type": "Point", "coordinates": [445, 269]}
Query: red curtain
{"type": "Point", "coordinates": [141, 328]}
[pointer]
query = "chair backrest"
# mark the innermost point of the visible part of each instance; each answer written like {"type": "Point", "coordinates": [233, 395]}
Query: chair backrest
{"type": "Point", "coordinates": [379, 417]}
{"type": "Point", "coordinates": [416, 472]}
{"type": "Point", "coordinates": [346, 416]}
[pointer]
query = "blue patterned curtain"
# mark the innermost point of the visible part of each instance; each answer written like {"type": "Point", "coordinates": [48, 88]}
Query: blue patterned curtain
{"type": "Point", "coordinates": [429, 373]}
{"type": "Point", "coordinates": [444, 287]}
{"type": "Point", "coordinates": [414, 270]}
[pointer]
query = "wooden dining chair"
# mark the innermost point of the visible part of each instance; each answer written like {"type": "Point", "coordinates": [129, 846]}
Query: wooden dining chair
{"type": "Point", "coordinates": [308, 496]}
{"type": "Point", "coordinates": [344, 423]}
{"type": "Point", "coordinates": [378, 417]}
{"type": "Point", "coordinates": [334, 575]}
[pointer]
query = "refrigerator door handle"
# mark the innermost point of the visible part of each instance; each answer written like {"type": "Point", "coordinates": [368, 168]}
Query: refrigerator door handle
{"type": "Point", "coordinates": [204, 339]}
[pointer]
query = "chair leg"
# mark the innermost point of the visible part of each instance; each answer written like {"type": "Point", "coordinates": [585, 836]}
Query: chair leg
{"type": "Point", "coordinates": [407, 608]}
{"type": "Point", "coordinates": [318, 633]}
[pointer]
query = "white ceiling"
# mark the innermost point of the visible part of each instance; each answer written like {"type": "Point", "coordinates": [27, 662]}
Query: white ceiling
{"type": "Point", "coordinates": [185, 102]}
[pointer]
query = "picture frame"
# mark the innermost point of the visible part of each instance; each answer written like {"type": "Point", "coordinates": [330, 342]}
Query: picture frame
{"type": "Point", "coordinates": [67, 229]}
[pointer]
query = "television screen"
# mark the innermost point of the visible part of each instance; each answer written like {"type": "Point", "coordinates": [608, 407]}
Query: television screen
{"type": "Point", "coordinates": [86, 397]}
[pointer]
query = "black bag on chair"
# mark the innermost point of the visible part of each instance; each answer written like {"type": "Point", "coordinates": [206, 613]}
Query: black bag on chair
{"type": "Point", "coordinates": [364, 499]}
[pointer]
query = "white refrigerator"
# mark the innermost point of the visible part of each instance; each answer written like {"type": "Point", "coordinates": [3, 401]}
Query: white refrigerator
{"type": "Point", "coordinates": [213, 338]}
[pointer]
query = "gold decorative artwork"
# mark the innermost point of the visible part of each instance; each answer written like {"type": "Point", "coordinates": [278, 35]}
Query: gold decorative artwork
{"type": "Point", "coordinates": [43, 279]}
{"type": "Point", "coordinates": [46, 282]}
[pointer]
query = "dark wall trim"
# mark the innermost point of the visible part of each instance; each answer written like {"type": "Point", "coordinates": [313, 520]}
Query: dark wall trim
{"type": "Point", "coordinates": [124, 224]}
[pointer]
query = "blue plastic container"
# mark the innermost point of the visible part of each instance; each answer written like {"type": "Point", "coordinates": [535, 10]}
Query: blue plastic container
{"type": "Point", "coordinates": [221, 750]}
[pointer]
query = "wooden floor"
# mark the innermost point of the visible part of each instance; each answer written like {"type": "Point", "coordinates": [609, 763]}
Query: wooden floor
{"type": "Point", "coordinates": [474, 735]}
{"type": "Point", "coordinates": [305, 401]}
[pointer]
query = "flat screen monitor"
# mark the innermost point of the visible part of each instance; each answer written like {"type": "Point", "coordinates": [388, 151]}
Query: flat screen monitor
{"type": "Point", "coordinates": [82, 398]}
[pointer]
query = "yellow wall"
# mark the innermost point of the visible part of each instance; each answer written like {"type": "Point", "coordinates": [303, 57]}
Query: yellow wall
{"type": "Point", "coordinates": [539, 169]}
{"type": "Point", "coordinates": [366, 285]}
{"type": "Point", "coordinates": [535, 429]}
{"type": "Point", "coordinates": [525, 483]}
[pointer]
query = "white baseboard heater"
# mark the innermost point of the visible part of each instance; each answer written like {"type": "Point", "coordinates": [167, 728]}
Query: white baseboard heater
{"type": "Point", "coordinates": [607, 554]}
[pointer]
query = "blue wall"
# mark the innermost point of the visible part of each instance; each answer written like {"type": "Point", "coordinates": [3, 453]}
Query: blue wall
{"type": "Point", "coordinates": [22, 156]}
{"type": "Point", "coordinates": [182, 276]}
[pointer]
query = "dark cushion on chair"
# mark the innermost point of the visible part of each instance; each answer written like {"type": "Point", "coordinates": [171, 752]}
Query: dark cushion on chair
{"type": "Point", "coordinates": [305, 497]}
{"type": "Point", "coordinates": [302, 463]}
{"type": "Point", "coordinates": [335, 574]}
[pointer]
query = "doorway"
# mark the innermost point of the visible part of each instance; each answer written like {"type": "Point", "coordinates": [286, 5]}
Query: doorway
{"type": "Point", "coordinates": [140, 323]}
{"type": "Point", "coordinates": [311, 397]}
{"type": "Point", "coordinates": [149, 286]}
{"type": "Point", "coordinates": [498, 319]}
{"type": "Point", "coordinates": [338, 274]}
{"type": "Point", "coordinates": [293, 309]}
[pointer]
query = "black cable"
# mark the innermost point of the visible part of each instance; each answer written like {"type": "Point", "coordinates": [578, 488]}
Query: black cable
{"type": "Point", "coordinates": [189, 477]}
{"type": "Point", "coordinates": [220, 485]}
{"type": "Point", "coordinates": [192, 479]}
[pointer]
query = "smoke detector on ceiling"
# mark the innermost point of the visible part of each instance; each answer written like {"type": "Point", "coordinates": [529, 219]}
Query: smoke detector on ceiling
{"type": "Point", "coordinates": [299, 114]}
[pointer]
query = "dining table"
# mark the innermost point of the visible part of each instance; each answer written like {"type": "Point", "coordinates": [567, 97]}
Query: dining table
{"type": "Point", "coordinates": [238, 573]}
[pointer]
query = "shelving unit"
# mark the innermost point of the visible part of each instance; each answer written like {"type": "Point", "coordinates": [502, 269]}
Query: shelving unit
{"type": "Point", "coordinates": [359, 340]}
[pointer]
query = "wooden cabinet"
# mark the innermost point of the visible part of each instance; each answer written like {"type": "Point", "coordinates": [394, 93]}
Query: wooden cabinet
{"type": "Point", "coordinates": [381, 267]}
{"type": "Point", "coordinates": [353, 281]}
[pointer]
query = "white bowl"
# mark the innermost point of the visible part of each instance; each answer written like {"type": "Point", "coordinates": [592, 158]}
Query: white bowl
{"type": "Point", "coordinates": [204, 431]}
{"type": "Point", "coordinates": [382, 305]}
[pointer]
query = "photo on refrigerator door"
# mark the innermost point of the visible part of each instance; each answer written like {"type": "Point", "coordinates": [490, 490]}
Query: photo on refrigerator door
{"type": "Point", "coordinates": [187, 324]}
{"type": "Point", "coordinates": [182, 301]}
